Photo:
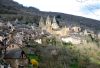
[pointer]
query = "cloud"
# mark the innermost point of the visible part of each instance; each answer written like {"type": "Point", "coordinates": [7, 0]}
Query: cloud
{"type": "Point", "coordinates": [90, 8]}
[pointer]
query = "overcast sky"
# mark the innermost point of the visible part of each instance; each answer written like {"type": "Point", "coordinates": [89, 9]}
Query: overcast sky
{"type": "Point", "coordinates": [86, 8]}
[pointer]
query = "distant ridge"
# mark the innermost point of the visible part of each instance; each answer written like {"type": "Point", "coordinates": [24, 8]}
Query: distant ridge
{"type": "Point", "coordinates": [11, 10]}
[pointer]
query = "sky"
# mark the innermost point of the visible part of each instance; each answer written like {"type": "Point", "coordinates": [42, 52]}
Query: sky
{"type": "Point", "coordinates": [85, 8]}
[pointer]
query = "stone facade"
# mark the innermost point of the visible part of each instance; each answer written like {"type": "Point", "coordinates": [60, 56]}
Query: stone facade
{"type": "Point", "coordinates": [13, 46]}
{"type": "Point", "coordinates": [76, 29]}
{"type": "Point", "coordinates": [73, 40]}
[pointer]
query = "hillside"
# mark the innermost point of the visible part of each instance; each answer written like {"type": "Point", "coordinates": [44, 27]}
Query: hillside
{"type": "Point", "coordinates": [11, 7]}
{"type": "Point", "coordinates": [10, 10]}
{"type": "Point", "coordinates": [56, 43]}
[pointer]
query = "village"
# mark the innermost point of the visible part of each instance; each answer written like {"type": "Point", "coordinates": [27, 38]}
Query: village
{"type": "Point", "coordinates": [17, 40]}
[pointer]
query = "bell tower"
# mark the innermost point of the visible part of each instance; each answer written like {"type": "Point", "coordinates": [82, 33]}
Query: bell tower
{"type": "Point", "coordinates": [41, 23]}
{"type": "Point", "coordinates": [54, 24]}
{"type": "Point", "coordinates": [48, 22]}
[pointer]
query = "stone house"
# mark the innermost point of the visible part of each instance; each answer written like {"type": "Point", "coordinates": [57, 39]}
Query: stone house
{"type": "Point", "coordinates": [13, 46]}
{"type": "Point", "coordinates": [73, 40]}
{"type": "Point", "coordinates": [76, 29]}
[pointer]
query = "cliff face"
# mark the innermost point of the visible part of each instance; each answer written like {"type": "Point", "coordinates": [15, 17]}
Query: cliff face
{"type": "Point", "coordinates": [12, 10]}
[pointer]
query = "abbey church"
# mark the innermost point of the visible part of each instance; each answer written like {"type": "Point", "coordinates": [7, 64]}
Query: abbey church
{"type": "Point", "coordinates": [52, 27]}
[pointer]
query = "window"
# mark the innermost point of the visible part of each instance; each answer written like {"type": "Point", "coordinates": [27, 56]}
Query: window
{"type": "Point", "coordinates": [12, 46]}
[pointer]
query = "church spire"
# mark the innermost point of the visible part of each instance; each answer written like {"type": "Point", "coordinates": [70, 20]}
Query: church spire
{"type": "Point", "coordinates": [16, 21]}
{"type": "Point", "coordinates": [48, 21]}
{"type": "Point", "coordinates": [54, 20]}
{"type": "Point", "coordinates": [41, 23]}
{"type": "Point", "coordinates": [54, 23]}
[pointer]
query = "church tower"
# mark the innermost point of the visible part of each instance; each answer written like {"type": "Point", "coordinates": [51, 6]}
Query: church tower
{"type": "Point", "coordinates": [41, 23]}
{"type": "Point", "coordinates": [54, 24]}
{"type": "Point", "coordinates": [48, 22]}
{"type": "Point", "coordinates": [54, 20]}
{"type": "Point", "coordinates": [16, 21]}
